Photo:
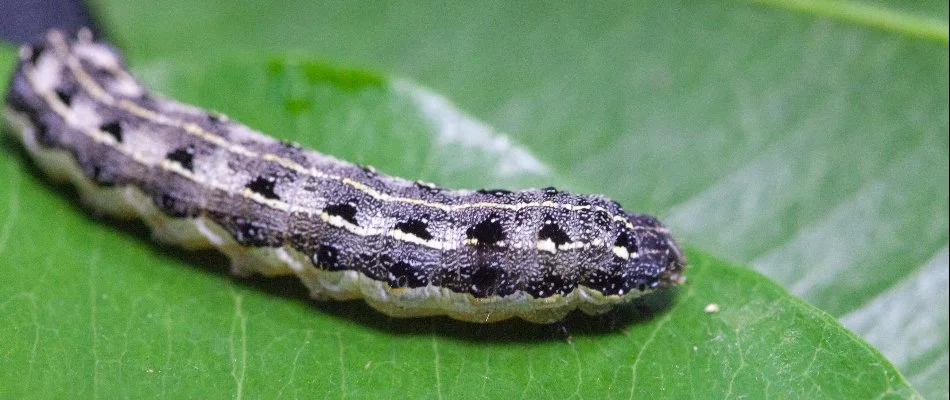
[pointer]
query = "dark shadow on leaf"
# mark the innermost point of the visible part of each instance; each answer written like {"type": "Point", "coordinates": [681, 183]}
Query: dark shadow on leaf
{"type": "Point", "coordinates": [576, 324]}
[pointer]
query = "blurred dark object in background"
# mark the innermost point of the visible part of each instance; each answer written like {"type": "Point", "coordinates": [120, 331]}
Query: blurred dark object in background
{"type": "Point", "coordinates": [24, 20]}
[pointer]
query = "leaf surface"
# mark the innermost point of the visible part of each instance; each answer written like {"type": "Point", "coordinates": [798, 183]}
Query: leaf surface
{"type": "Point", "coordinates": [810, 147]}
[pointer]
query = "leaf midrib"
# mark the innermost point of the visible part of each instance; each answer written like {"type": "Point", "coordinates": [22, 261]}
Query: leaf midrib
{"type": "Point", "coordinates": [883, 18]}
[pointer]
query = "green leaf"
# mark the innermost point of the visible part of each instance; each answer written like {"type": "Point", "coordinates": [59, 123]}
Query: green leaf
{"type": "Point", "coordinates": [807, 139]}
{"type": "Point", "coordinates": [95, 303]}
{"type": "Point", "coordinates": [812, 148]}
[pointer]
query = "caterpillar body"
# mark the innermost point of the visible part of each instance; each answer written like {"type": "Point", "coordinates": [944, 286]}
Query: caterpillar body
{"type": "Point", "coordinates": [408, 248]}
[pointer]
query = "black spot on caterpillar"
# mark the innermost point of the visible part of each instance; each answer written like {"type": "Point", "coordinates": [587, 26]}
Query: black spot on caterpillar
{"type": "Point", "coordinates": [183, 156]}
{"type": "Point", "coordinates": [114, 129]}
{"type": "Point", "coordinates": [264, 186]}
{"type": "Point", "coordinates": [407, 248]}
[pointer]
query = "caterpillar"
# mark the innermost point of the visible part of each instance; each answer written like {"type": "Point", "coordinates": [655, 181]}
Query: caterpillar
{"type": "Point", "coordinates": [408, 248]}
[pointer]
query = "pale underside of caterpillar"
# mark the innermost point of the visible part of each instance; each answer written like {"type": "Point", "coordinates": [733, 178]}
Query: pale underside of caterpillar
{"type": "Point", "coordinates": [408, 248]}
